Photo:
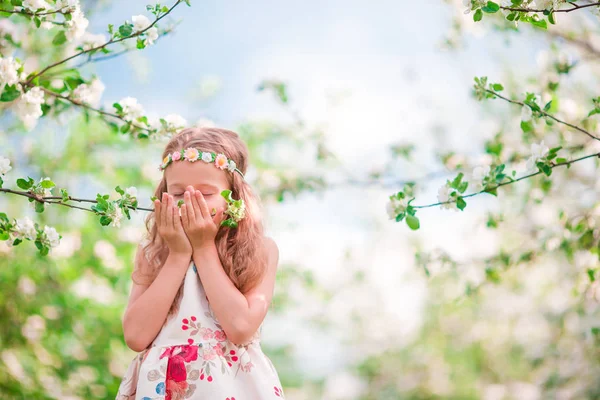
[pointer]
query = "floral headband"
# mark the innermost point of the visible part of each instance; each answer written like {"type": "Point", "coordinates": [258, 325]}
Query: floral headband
{"type": "Point", "coordinates": [192, 154]}
{"type": "Point", "coordinates": [236, 209]}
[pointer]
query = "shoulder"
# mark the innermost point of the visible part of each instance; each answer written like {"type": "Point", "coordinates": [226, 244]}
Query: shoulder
{"type": "Point", "coordinates": [272, 250]}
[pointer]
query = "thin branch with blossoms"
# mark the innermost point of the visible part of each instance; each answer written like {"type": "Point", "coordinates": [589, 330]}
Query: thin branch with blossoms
{"type": "Point", "coordinates": [490, 189]}
{"type": "Point", "coordinates": [100, 47]}
{"type": "Point", "coordinates": [97, 110]}
{"type": "Point", "coordinates": [494, 93]}
{"type": "Point", "coordinates": [533, 10]}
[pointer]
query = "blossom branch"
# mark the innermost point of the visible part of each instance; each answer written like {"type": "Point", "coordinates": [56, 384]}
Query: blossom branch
{"type": "Point", "coordinates": [490, 189]}
{"type": "Point", "coordinates": [543, 113]}
{"type": "Point", "coordinates": [111, 41]}
{"type": "Point", "coordinates": [575, 7]}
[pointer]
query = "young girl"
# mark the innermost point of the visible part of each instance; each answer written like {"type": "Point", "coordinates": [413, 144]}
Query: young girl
{"type": "Point", "coordinates": [203, 280]}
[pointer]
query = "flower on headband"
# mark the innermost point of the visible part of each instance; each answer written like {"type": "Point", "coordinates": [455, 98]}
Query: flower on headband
{"type": "Point", "coordinates": [207, 157]}
{"type": "Point", "coordinates": [221, 161]}
{"type": "Point", "coordinates": [231, 167]}
{"type": "Point", "coordinates": [176, 156]}
{"type": "Point", "coordinates": [166, 159]}
{"type": "Point", "coordinates": [191, 154]}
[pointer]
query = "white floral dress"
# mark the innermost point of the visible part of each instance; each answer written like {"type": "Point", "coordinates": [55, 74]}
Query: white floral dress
{"type": "Point", "coordinates": [191, 358]}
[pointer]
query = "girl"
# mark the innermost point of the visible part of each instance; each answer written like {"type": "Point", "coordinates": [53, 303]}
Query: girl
{"type": "Point", "coordinates": [203, 280]}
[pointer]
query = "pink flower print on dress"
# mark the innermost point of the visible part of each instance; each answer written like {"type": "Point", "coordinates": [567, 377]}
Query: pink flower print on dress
{"type": "Point", "coordinates": [220, 336]}
{"type": "Point", "coordinates": [207, 333]}
{"type": "Point", "coordinates": [278, 392]}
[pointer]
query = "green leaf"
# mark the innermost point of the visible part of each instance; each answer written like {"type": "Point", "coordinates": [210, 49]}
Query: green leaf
{"type": "Point", "coordinates": [59, 39]}
{"type": "Point", "coordinates": [412, 222]}
{"type": "Point", "coordinates": [491, 7]}
{"type": "Point", "coordinates": [498, 87]}
{"type": "Point", "coordinates": [540, 24]}
{"type": "Point", "coordinates": [561, 160]}
{"type": "Point", "coordinates": [478, 15]}
{"type": "Point", "coordinates": [23, 184]}
{"type": "Point", "coordinates": [39, 207]}
{"type": "Point", "coordinates": [10, 93]}
{"type": "Point", "coordinates": [526, 126]}
{"type": "Point", "coordinates": [140, 44]}
{"type": "Point", "coordinates": [47, 184]}
{"type": "Point", "coordinates": [37, 21]}
{"type": "Point", "coordinates": [551, 18]}
{"type": "Point", "coordinates": [461, 203]}
{"type": "Point", "coordinates": [105, 220]}
{"type": "Point", "coordinates": [493, 191]}
{"type": "Point", "coordinates": [119, 190]}
{"type": "Point", "coordinates": [126, 30]}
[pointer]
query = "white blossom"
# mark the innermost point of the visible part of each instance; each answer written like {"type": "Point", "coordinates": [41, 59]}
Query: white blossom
{"type": "Point", "coordinates": [9, 71]}
{"type": "Point", "coordinates": [52, 237]}
{"type": "Point", "coordinates": [231, 166]}
{"type": "Point", "coordinates": [4, 165]}
{"type": "Point", "coordinates": [89, 93]}
{"type": "Point", "coordinates": [396, 206]}
{"type": "Point", "coordinates": [116, 216]}
{"type": "Point", "coordinates": [174, 124]}
{"type": "Point", "coordinates": [477, 176]}
{"type": "Point", "coordinates": [151, 35]}
{"type": "Point", "coordinates": [25, 227]}
{"type": "Point", "coordinates": [28, 107]}
{"type": "Point", "coordinates": [67, 5]}
{"type": "Point", "coordinates": [34, 5]}
{"type": "Point", "coordinates": [140, 22]}
{"type": "Point", "coordinates": [538, 151]}
{"type": "Point", "coordinates": [206, 157]}
{"type": "Point", "coordinates": [77, 25]}
{"type": "Point", "coordinates": [91, 40]}
{"type": "Point", "coordinates": [131, 108]}
{"type": "Point", "coordinates": [444, 196]}
{"type": "Point", "coordinates": [132, 191]}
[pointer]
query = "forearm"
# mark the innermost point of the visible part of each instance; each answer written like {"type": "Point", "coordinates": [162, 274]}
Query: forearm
{"type": "Point", "coordinates": [145, 318]}
{"type": "Point", "coordinates": [227, 302]}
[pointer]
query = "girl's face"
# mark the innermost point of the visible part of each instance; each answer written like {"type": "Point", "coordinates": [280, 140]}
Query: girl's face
{"type": "Point", "coordinates": [205, 177]}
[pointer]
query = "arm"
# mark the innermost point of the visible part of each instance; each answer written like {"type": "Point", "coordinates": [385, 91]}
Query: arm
{"type": "Point", "coordinates": [240, 315]}
{"type": "Point", "coordinates": [148, 305]}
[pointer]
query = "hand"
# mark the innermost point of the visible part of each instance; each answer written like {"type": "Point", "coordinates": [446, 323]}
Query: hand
{"type": "Point", "coordinates": [170, 227]}
{"type": "Point", "coordinates": [199, 225]}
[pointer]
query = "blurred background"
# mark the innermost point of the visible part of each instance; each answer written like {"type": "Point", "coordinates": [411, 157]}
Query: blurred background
{"type": "Point", "coordinates": [341, 105]}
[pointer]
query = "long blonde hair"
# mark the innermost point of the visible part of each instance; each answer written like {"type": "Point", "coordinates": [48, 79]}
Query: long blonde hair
{"type": "Point", "coordinates": [241, 250]}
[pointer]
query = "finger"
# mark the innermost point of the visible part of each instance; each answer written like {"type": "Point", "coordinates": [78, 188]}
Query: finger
{"type": "Point", "coordinates": [184, 216]}
{"type": "Point", "coordinates": [177, 218]}
{"type": "Point", "coordinates": [203, 205]}
{"type": "Point", "coordinates": [170, 212]}
{"type": "Point", "coordinates": [157, 211]}
{"type": "Point", "coordinates": [163, 210]}
{"type": "Point", "coordinates": [199, 210]}
{"type": "Point", "coordinates": [218, 218]}
{"type": "Point", "coordinates": [189, 207]}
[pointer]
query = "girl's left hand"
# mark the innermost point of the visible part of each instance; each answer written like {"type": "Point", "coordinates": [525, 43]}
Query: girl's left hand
{"type": "Point", "coordinates": [200, 227]}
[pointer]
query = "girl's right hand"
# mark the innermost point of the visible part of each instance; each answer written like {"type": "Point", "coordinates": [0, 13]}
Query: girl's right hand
{"type": "Point", "coordinates": [169, 226]}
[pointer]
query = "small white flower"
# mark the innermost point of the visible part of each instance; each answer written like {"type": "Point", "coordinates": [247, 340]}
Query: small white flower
{"type": "Point", "coordinates": [77, 25]}
{"type": "Point", "coordinates": [396, 206]}
{"type": "Point", "coordinates": [116, 216]}
{"type": "Point", "coordinates": [231, 167]}
{"type": "Point", "coordinates": [151, 36]}
{"type": "Point", "coordinates": [66, 5]}
{"type": "Point", "coordinates": [9, 71]}
{"type": "Point", "coordinates": [206, 157]}
{"type": "Point", "coordinates": [52, 237]}
{"type": "Point", "coordinates": [28, 107]}
{"type": "Point", "coordinates": [91, 40]}
{"type": "Point", "coordinates": [132, 191]}
{"type": "Point", "coordinates": [89, 93]}
{"type": "Point", "coordinates": [140, 22]}
{"type": "Point", "coordinates": [174, 124]}
{"type": "Point", "coordinates": [477, 176]}
{"type": "Point", "coordinates": [538, 151]}
{"type": "Point", "coordinates": [467, 3]}
{"type": "Point", "coordinates": [4, 165]}
{"type": "Point", "coordinates": [34, 5]}
{"type": "Point", "coordinates": [526, 113]}
{"type": "Point", "coordinates": [131, 108]}
{"type": "Point", "coordinates": [25, 227]}
{"type": "Point", "coordinates": [444, 196]}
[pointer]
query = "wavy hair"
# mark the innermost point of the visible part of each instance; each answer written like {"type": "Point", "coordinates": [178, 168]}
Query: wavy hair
{"type": "Point", "coordinates": [241, 250]}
